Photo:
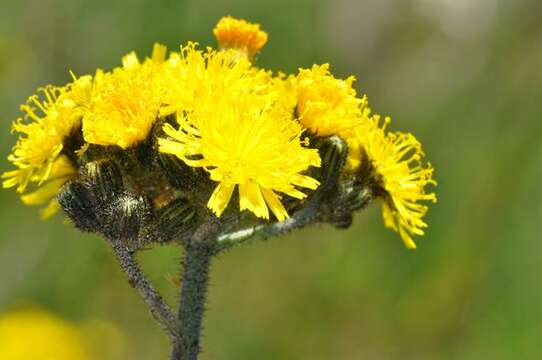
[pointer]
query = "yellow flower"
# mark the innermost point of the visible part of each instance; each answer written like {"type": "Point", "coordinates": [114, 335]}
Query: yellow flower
{"type": "Point", "coordinates": [233, 117]}
{"type": "Point", "coordinates": [194, 74]}
{"type": "Point", "coordinates": [326, 105]}
{"type": "Point", "coordinates": [235, 120]}
{"type": "Point", "coordinates": [239, 144]}
{"type": "Point", "coordinates": [241, 35]}
{"type": "Point", "coordinates": [396, 162]}
{"type": "Point", "coordinates": [35, 334]}
{"type": "Point", "coordinates": [61, 171]}
{"type": "Point", "coordinates": [49, 120]}
{"type": "Point", "coordinates": [231, 128]}
{"type": "Point", "coordinates": [125, 102]}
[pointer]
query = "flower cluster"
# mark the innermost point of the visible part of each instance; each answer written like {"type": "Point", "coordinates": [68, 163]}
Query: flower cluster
{"type": "Point", "coordinates": [253, 134]}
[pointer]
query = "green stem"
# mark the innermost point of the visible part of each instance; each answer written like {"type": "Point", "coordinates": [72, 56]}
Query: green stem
{"type": "Point", "coordinates": [196, 261]}
{"type": "Point", "coordinates": [207, 241]}
{"type": "Point", "coordinates": [260, 232]}
{"type": "Point", "coordinates": [159, 309]}
{"type": "Point", "coordinates": [308, 215]}
{"type": "Point", "coordinates": [196, 264]}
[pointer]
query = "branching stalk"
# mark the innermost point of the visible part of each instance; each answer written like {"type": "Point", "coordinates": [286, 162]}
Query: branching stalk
{"type": "Point", "coordinates": [159, 309]}
{"type": "Point", "coordinates": [207, 241]}
{"type": "Point", "coordinates": [263, 232]}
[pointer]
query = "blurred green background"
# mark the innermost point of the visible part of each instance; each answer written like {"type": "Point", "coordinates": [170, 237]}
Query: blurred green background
{"type": "Point", "coordinates": [465, 76]}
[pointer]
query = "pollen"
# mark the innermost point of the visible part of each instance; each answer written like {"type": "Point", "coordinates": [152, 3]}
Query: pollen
{"type": "Point", "coordinates": [239, 34]}
{"type": "Point", "coordinates": [396, 160]}
{"type": "Point", "coordinates": [327, 105]}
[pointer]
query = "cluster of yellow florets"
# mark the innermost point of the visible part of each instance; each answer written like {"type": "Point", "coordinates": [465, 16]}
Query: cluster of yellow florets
{"type": "Point", "coordinates": [327, 106]}
{"type": "Point", "coordinates": [230, 120]}
{"type": "Point", "coordinates": [330, 106]}
{"type": "Point", "coordinates": [243, 125]}
{"type": "Point", "coordinates": [49, 118]}
{"type": "Point", "coordinates": [126, 102]}
{"type": "Point", "coordinates": [397, 159]}
{"type": "Point", "coordinates": [239, 34]}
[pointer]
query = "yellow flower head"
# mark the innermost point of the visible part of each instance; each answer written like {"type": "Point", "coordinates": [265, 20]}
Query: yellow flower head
{"type": "Point", "coordinates": [125, 102]}
{"type": "Point", "coordinates": [45, 194]}
{"type": "Point", "coordinates": [396, 159]}
{"type": "Point", "coordinates": [229, 125]}
{"type": "Point", "coordinates": [239, 143]}
{"type": "Point", "coordinates": [49, 120]}
{"type": "Point", "coordinates": [326, 105]}
{"type": "Point", "coordinates": [35, 334]}
{"type": "Point", "coordinates": [194, 74]}
{"type": "Point", "coordinates": [239, 34]}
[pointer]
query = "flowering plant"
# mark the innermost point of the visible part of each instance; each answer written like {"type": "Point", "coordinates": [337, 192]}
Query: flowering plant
{"type": "Point", "coordinates": [204, 148]}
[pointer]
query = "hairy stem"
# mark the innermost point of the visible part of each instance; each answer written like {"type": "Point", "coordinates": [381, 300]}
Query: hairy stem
{"type": "Point", "coordinates": [160, 311]}
{"type": "Point", "coordinates": [307, 215]}
{"type": "Point", "coordinates": [195, 278]}
{"type": "Point", "coordinates": [261, 232]}
{"type": "Point", "coordinates": [196, 264]}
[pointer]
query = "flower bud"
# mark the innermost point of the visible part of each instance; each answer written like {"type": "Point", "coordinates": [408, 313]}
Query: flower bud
{"type": "Point", "coordinates": [79, 205]}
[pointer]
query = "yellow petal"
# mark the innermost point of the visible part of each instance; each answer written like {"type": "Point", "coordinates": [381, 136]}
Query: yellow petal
{"type": "Point", "coordinates": [51, 209]}
{"type": "Point", "coordinates": [220, 198]}
{"type": "Point", "coordinates": [159, 53]}
{"type": "Point", "coordinates": [251, 198]}
{"type": "Point", "coordinates": [305, 181]}
{"type": "Point", "coordinates": [407, 239]}
{"type": "Point", "coordinates": [44, 193]}
{"type": "Point", "coordinates": [275, 205]}
{"type": "Point", "coordinates": [170, 146]}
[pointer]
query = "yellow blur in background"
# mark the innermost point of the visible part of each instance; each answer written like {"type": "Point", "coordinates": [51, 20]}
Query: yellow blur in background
{"type": "Point", "coordinates": [462, 75]}
{"type": "Point", "coordinates": [34, 333]}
